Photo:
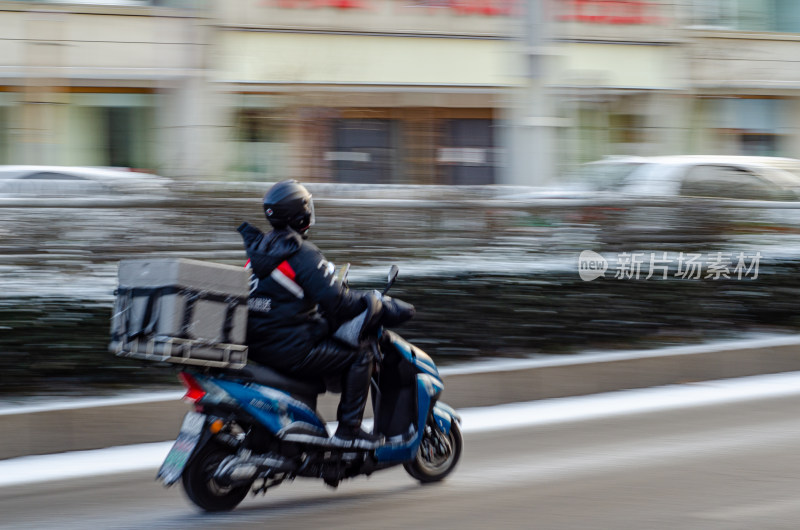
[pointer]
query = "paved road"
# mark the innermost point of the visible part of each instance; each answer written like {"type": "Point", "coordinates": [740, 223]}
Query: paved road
{"type": "Point", "coordinates": [723, 467]}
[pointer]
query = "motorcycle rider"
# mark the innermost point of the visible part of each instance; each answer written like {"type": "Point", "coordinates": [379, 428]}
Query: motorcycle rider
{"type": "Point", "coordinates": [295, 304]}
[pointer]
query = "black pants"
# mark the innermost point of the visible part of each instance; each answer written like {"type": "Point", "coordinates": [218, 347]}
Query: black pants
{"type": "Point", "coordinates": [354, 367]}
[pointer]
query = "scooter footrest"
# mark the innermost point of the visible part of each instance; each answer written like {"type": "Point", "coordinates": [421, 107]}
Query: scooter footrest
{"type": "Point", "coordinates": [307, 439]}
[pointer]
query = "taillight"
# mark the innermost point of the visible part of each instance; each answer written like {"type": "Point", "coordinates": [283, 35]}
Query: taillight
{"type": "Point", "coordinates": [194, 391]}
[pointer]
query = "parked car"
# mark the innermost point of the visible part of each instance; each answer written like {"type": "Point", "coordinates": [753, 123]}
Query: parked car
{"type": "Point", "coordinates": [650, 202]}
{"type": "Point", "coordinates": [732, 177]}
{"type": "Point", "coordinates": [76, 181]}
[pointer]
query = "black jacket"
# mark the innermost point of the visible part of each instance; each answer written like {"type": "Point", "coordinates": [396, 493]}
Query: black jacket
{"type": "Point", "coordinates": [294, 295]}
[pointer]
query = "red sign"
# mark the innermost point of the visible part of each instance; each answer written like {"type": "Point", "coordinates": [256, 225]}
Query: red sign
{"type": "Point", "coordinates": [482, 7]}
{"type": "Point", "coordinates": [316, 4]}
{"type": "Point", "coordinates": [464, 7]}
{"type": "Point", "coordinates": [607, 11]}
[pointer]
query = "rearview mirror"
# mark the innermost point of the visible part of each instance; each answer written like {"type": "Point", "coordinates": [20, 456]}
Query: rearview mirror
{"type": "Point", "coordinates": [342, 276]}
{"type": "Point", "coordinates": [391, 278]}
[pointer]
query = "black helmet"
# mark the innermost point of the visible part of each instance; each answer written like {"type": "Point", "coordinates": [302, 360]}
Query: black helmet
{"type": "Point", "coordinates": [288, 203]}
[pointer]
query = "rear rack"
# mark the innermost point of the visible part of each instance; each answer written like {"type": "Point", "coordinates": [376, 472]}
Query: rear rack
{"type": "Point", "coordinates": [176, 350]}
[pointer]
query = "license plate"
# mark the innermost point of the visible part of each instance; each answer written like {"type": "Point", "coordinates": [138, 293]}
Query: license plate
{"type": "Point", "coordinates": [182, 449]}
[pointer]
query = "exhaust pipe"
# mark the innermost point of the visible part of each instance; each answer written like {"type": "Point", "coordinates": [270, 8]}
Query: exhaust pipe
{"type": "Point", "coordinates": [245, 468]}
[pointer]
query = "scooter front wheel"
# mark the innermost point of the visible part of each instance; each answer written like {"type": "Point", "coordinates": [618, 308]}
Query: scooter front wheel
{"type": "Point", "coordinates": [201, 487]}
{"type": "Point", "coordinates": [438, 454]}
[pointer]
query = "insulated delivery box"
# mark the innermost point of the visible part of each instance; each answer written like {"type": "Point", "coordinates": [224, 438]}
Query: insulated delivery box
{"type": "Point", "coordinates": [181, 311]}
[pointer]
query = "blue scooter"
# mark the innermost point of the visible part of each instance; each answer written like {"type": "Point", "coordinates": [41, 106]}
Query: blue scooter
{"type": "Point", "coordinates": [253, 428]}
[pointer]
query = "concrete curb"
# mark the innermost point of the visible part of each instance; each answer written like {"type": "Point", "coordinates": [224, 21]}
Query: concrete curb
{"type": "Point", "coordinates": [97, 423]}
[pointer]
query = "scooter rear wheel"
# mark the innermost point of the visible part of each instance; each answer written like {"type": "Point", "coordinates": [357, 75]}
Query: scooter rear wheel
{"type": "Point", "coordinates": [438, 454]}
{"type": "Point", "coordinates": [201, 487]}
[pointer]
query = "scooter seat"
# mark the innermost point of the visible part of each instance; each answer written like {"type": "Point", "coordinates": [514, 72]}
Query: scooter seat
{"type": "Point", "coordinates": [272, 378]}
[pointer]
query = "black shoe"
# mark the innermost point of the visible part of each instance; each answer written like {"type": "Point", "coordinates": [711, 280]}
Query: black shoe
{"type": "Point", "coordinates": [355, 438]}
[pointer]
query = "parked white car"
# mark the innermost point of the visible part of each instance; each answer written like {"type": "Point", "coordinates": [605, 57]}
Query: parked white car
{"type": "Point", "coordinates": [76, 181]}
{"type": "Point", "coordinates": [614, 200]}
{"type": "Point", "coordinates": [734, 177]}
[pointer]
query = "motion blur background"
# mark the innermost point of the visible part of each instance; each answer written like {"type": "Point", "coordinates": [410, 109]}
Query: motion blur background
{"type": "Point", "coordinates": [442, 135]}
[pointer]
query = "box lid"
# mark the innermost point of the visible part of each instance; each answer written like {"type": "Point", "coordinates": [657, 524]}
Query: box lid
{"type": "Point", "coordinates": [185, 273]}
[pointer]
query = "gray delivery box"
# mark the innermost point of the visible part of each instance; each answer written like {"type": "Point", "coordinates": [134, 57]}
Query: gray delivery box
{"type": "Point", "coordinates": [181, 311]}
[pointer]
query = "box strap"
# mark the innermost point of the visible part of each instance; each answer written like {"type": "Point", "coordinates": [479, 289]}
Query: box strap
{"type": "Point", "coordinates": [151, 312]}
{"type": "Point", "coordinates": [227, 326]}
{"type": "Point", "coordinates": [121, 316]}
{"type": "Point", "coordinates": [188, 313]}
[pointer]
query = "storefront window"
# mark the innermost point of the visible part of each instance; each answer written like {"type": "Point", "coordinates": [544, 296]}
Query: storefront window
{"type": "Point", "coordinates": [787, 16]}
{"type": "Point", "coordinates": [468, 156]}
{"type": "Point", "coordinates": [109, 129]}
{"type": "Point", "coordinates": [626, 128]}
{"type": "Point", "coordinates": [259, 125]}
{"type": "Point", "coordinates": [363, 150]}
{"type": "Point", "coordinates": [4, 140]}
{"type": "Point", "coordinates": [260, 140]}
{"type": "Point", "coordinates": [589, 134]}
{"type": "Point", "coordinates": [753, 126]}
{"type": "Point", "coordinates": [119, 126]}
{"type": "Point", "coordinates": [748, 15]}
{"type": "Point", "coordinates": [759, 144]}
{"type": "Point", "coordinates": [713, 13]}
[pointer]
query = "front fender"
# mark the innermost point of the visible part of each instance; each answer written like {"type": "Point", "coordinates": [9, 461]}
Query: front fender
{"type": "Point", "coordinates": [445, 415]}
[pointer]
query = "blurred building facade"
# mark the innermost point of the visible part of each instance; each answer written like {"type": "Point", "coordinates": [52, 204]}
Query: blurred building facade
{"type": "Point", "coordinates": [390, 91]}
{"type": "Point", "coordinates": [618, 78]}
{"type": "Point", "coordinates": [365, 91]}
{"type": "Point", "coordinates": [665, 77]}
{"type": "Point", "coordinates": [744, 80]}
{"type": "Point", "coordinates": [105, 85]}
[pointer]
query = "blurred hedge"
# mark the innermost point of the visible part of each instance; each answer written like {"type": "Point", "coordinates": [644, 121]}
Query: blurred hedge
{"type": "Point", "coordinates": [60, 344]}
{"type": "Point", "coordinates": [490, 277]}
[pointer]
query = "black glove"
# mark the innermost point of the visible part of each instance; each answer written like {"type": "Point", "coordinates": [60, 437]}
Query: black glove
{"type": "Point", "coordinates": [395, 311]}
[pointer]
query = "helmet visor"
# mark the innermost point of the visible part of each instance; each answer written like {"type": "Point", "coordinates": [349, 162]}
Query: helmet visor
{"type": "Point", "coordinates": [311, 207]}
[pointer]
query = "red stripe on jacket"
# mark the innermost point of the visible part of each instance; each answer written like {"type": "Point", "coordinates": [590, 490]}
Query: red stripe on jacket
{"type": "Point", "coordinates": [287, 269]}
